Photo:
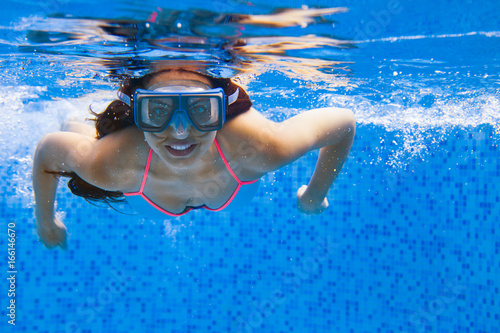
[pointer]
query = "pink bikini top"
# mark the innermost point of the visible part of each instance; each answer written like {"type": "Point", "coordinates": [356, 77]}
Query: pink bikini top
{"type": "Point", "coordinates": [188, 209]}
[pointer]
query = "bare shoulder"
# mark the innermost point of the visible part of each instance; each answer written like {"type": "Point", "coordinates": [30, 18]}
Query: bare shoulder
{"type": "Point", "coordinates": [250, 127]}
{"type": "Point", "coordinates": [120, 159]}
{"type": "Point", "coordinates": [247, 140]}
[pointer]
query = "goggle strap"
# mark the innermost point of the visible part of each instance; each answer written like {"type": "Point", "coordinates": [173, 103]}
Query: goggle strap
{"type": "Point", "coordinates": [124, 98]}
{"type": "Point", "coordinates": [233, 97]}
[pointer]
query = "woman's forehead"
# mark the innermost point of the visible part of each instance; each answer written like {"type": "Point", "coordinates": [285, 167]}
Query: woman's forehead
{"type": "Point", "coordinates": [175, 75]}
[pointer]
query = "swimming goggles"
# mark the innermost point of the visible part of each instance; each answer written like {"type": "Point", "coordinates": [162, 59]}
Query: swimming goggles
{"type": "Point", "coordinates": [154, 110]}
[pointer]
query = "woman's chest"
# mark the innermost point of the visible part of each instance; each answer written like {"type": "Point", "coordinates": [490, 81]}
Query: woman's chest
{"type": "Point", "coordinates": [176, 192]}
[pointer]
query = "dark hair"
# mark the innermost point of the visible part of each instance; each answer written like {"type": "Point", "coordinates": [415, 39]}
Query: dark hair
{"type": "Point", "coordinates": [119, 115]}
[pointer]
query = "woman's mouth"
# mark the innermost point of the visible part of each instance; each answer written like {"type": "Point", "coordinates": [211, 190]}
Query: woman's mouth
{"type": "Point", "coordinates": [180, 149]}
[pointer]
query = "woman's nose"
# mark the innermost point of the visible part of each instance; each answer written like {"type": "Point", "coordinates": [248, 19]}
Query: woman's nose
{"type": "Point", "coordinates": [180, 125]}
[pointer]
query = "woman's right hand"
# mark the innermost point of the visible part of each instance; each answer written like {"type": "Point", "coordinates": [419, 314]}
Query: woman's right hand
{"type": "Point", "coordinates": [53, 235]}
{"type": "Point", "coordinates": [309, 206]}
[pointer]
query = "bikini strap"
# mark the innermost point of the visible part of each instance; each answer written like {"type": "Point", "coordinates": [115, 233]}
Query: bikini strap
{"type": "Point", "coordinates": [226, 163]}
{"type": "Point", "coordinates": [146, 171]}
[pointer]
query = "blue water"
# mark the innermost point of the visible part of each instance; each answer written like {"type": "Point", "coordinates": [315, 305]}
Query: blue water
{"type": "Point", "coordinates": [410, 242]}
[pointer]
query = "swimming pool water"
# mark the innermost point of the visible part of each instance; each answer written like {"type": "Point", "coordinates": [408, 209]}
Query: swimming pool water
{"type": "Point", "coordinates": [410, 242]}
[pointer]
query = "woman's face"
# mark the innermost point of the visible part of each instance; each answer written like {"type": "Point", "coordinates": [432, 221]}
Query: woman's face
{"type": "Point", "coordinates": [180, 144]}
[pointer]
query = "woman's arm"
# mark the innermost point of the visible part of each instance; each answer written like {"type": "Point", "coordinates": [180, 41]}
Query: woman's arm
{"type": "Point", "coordinates": [329, 129]}
{"type": "Point", "coordinates": [331, 159]}
{"type": "Point", "coordinates": [57, 152]}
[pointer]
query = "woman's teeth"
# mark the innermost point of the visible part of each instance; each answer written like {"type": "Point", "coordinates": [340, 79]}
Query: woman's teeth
{"type": "Point", "coordinates": [180, 147]}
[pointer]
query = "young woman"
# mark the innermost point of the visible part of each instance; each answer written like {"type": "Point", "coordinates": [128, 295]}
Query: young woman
{"type": "Point", "coordinates": [178, 140]}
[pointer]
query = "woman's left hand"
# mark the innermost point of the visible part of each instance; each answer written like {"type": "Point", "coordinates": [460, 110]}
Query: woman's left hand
{"type": "Point", "coordinates": [307, 205]}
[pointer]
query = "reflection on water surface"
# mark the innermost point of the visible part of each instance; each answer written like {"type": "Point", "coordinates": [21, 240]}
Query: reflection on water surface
{"type": "Point", "coordinates": [219, 44]}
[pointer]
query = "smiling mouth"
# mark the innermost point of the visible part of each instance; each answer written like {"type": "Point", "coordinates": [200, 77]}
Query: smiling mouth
{"type": "Point", "coordinates": [179, 149]}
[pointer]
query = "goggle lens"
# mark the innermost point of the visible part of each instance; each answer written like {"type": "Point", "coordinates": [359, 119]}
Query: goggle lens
{"type": "Point", "coordinates": [203, 111]}
{"type": "Point", "coordinates": [155, 112]}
